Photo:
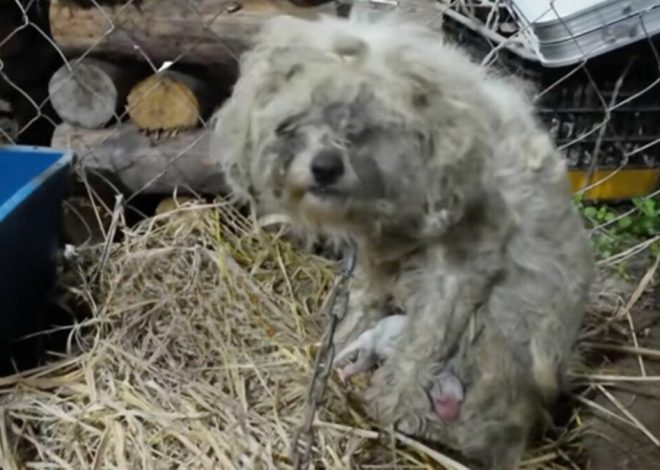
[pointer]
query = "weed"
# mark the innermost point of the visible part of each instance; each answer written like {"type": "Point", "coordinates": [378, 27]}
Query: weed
{"type": "Point", "coordinates": [614, 229]}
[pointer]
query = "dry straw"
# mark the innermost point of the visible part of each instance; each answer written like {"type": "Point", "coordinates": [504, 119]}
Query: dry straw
{"type": "Point", "coordinates": [197, 355]}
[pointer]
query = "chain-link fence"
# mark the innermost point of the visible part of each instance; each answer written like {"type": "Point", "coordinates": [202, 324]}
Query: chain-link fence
{"type": "Point", "coordinates": [80, 74]}
{"type": "Point", "coordinates": [599, 98]}
{"type": "Point", "coordinates": [130, 85]}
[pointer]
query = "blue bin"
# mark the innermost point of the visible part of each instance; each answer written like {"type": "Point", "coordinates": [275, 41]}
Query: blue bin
{"type": "Point", "coordinates": [33, 183]}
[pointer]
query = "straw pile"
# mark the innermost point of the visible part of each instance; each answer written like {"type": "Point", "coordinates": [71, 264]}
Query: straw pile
{"type": "Point", "coordinates": [197, 354]}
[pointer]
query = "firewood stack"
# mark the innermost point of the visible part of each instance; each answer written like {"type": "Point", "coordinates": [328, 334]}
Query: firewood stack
{"type": "Point", "coordinates": [125, 112]}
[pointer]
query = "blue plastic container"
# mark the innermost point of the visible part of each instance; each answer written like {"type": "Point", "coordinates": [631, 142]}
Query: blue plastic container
{"type": "Point", "coordinates": [33, 183]}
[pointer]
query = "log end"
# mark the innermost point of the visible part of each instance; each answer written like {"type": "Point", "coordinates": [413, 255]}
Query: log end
{"type": "Point", "coordinates": [85, 96]}
{"type": "Point", "coordinates": [163, 103]}
{"type": "Point", "coordinates": [170, 204]}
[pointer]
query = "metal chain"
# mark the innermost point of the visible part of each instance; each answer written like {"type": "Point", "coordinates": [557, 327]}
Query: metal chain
{"type": "Point", "coordinates": [303, 439]}
{"type": "Point", "coordinates": [304, 436]}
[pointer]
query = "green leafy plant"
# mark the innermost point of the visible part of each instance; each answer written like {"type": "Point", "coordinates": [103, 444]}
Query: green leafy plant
{"type": "Point", "coordinates": [614, 229]}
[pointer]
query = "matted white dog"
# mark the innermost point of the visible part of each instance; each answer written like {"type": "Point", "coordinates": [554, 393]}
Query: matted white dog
{"type": "Point", "coordinates": [456, 197]}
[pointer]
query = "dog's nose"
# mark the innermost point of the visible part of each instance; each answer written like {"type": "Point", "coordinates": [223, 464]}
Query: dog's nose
{"type": "Point", "coordinates": [327, 167]}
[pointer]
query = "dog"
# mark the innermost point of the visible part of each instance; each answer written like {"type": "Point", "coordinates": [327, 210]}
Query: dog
{"type": "Point", "coordinates": [456, 198]}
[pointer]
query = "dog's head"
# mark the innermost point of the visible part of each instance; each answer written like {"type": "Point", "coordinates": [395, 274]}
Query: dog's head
{"type": "Point", "coordinates": [349, 127]}
{"type": "Point", "coordinates": [341, 165]}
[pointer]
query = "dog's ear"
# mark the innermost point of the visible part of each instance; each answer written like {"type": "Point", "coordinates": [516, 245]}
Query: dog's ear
{"type": "Point", "coordinates": [445, 203]}
{"type": "Point", "coordinates": [453, 137]}
{"type": "Point", "coordinates": [229, 147]}
{"type": "Point", "coordinates": [233, 137]}
{"type": "Point", "coordinates": [454, 160]}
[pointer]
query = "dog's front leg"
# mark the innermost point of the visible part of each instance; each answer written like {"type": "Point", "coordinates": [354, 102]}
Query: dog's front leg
{"type": "Point", "coordinates": [439, 314]}
{"type": "Point", "coordinates": [364, 310]}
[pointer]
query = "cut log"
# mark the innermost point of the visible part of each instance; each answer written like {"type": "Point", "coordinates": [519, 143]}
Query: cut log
{"type": "Point", "coordinates": [139, 165]}
{"type": "Point", "coordinates": [169, 100]}
{"type": "Point", "coordinates": [92, 92]}
{"type": "Point", "coordinates": [95, 3]}
{"type": "Point", "coordinates": [200, 31]}
{"type": "Point", "coordinates": [170, 204]}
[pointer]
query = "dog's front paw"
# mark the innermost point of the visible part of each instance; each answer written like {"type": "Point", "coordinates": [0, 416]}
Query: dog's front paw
{"type": "Point", "coordinates": [397, 399]}
{"type": "Point", "coordinates": [355, 322]}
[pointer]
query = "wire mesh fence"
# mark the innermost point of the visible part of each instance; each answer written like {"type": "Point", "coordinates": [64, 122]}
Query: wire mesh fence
{"type": "Point", "coordinates": [602, 109]}
{"type": "Point", "coordinates": [130, 85]}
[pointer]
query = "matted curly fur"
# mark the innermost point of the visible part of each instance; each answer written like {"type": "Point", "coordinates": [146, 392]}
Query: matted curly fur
{"type": "Point", "coordinates": [455, 195]}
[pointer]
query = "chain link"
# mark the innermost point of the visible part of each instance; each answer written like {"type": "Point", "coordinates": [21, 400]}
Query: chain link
{"type": "Point", "coordinates": [303, 439]}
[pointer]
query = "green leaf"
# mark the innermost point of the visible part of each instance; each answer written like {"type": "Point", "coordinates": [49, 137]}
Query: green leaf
{"type": "Point", "coordinates": [577, 199]}
{"type": "Point", "coordinates": [648, 206]}
{"type": "Point", "coordinates": [590, 212]}
{"type": "Point", "coordinates": [655, 249]}
{"type": "Point", "coordinates": [647, 226]}
{"type": "Point", "coordinates": [625, 222]}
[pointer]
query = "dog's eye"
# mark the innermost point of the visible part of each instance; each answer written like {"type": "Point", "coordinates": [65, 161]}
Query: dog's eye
{"type": "Point", "coordinates": [358, 136]}
{"type": "Point", "coordinates": [287, 126]}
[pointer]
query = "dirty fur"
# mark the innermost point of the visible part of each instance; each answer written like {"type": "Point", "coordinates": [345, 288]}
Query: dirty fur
{"type": "Point", "coordinates": [457, 200]}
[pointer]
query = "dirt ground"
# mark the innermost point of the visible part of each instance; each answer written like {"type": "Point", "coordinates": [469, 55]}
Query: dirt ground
{"type": "Point", "coordinates": [612, 445]}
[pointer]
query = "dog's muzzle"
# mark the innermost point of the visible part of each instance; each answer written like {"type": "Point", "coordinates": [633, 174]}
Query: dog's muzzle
{"type": "Point", "coordinates": [327, 168]}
